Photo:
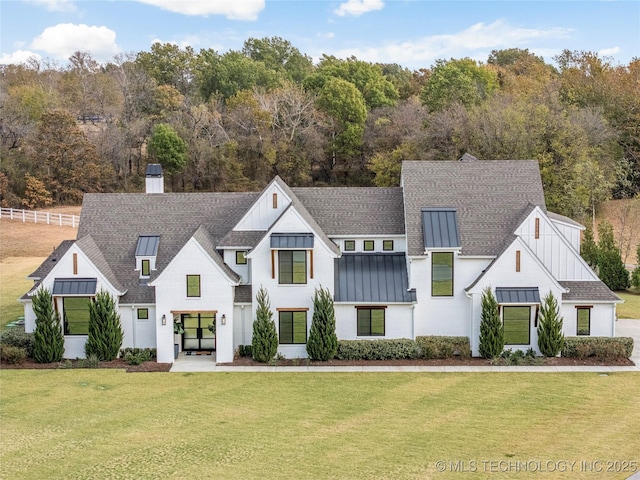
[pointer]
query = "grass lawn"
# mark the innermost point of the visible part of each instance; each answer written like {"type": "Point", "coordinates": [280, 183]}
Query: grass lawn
{"type": "Point", "coordinates": [13, 285]}
{"type": "Point", "coordinates": [84, 424]}
{"type": "Point", "coordinates": [631, 306]}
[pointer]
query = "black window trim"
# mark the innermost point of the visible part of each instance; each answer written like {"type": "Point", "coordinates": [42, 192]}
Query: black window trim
{"type": "Point", "coordinates": [350, 242]}
{"type": "Point", "coordinates": [502, 308]}
{"type": "Point", "coordinates": [373, 246]}
{"type": "Point", "coordinates": [385, 243]}
{"type": "Point", "coordinates": [140, 310]}
{"type": "Point", "coordinates": [199, 295]}
{"type": "Point", "coordinates": [453, 283]}
{"type": "Point", "coordinates": [306, 267]}
{"type": "Point", "coordinates": [370, 308]}
{"type": "Point", "coordinates": [244, 257]}
{"type": "Point", "coordinates": [588, 309]}
{"type": "Point", "coordinates": [292, 312]}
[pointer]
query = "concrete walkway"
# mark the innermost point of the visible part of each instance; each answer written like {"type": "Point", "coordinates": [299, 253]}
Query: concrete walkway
{"type": "Point", "coordinates": [624, 328]}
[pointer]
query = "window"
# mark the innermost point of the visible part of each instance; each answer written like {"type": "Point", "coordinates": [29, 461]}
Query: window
{"type": "Point", "coordinates": [387, 245]}
{"type": "Point", "coordinates": [584, 320]}
{"type": "Point", "coordinates": [516, 323]}
{"type": "Point", "coordinates": [193, 285]}
{"type": "Point", "coordinates": [369, 245]}
{"type": "Point", "coordinates": [370, 322]}
{"type": "Point", "coordinates": [143, 314]}
{"type": "Point", "coordinates": [293, 327]}
{"type": "Point", "coordinates": [76, 315]}
{"type": "Point", "coordinates": [349, 245]}
{"type": "Point", "coordinates": [146, 268]}
{"type": "Point", "coordinates": [241, 257]}
{"type": "Point", "coordinates": [442, 274]}
{"type": "Point", "coordinates": [292, 267]}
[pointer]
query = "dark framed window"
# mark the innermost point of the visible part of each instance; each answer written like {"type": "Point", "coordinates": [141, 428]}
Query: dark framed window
{"type": "Point", "coordinates": [75, 312]}
{"type": "Point", "coordinates": [292, 327]}
{"type": "Point", "coordinates": [193, 285]}
{"type": "Point", "coordinates": [516, 322]}
{"type": "Point", "coordinates": [146, 268]}
{"type": "Point", "coordinates": [369, 245]}
{"type": "Point", "coordinates": [370, 322]}
{"type": "Point", "coordinates": [292, 266]}
{"type": "Point", "coordinates": [241, 258]}
{"type": "Point", "coordinates": [584, 320]}
{"type": "Point", "coordinates": [442, 274]}
{"type": "Point", "coordinates": [387, 245]}
{"type": "Point", "coordinates": [143, 314]}
{"type": "Point", "coordinates": [349, 245]}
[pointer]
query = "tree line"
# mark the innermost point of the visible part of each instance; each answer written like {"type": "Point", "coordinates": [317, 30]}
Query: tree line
{"type": "Point", "coordinates": [231, 121]}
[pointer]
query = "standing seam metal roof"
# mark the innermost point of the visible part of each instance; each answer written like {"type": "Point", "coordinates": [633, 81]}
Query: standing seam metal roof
{"type": "Point", "coordinates": [518, 295]}
{"type": "Point", "coordinates": [372, 277]}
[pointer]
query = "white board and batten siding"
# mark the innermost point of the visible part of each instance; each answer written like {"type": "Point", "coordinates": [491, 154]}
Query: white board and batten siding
{"type": "Point", "coordinates": [266, 210]}
{"type": "Point", "coordinates": [556, 252]}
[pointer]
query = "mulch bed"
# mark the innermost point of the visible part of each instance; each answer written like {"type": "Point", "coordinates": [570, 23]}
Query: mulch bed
{"type": "Point", "coordinates": [74, 364]}
{"type": "Point", "coordinates": [247, 361]}
{"type": "Point", "coordinates": [455, 361]}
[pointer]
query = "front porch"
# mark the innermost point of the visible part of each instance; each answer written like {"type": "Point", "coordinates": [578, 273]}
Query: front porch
{"type": "Point", "coordinates": [194, 363]}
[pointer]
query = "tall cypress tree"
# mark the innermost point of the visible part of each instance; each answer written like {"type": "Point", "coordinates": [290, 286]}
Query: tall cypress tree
{"type": "Point", "coordinates": [264, 342]}
{"type": "Point", "coordinates": [323, 341]}
{"type": "Point", "coordinates": [491, 332]}
{"type": "Point", "coordinates": [550, 336]}
{"type": "Point", "coordinates": [48, 340]}
{"type": "Point", "coordinates": [105, 330]}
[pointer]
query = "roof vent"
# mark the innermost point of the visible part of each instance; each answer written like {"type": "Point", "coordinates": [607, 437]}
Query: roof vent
{"type": "Point", "coordinates": [154, 182]}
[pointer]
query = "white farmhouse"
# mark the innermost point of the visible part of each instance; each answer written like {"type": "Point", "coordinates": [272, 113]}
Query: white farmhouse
{"type": "Point", "coordinates": [400, 262]}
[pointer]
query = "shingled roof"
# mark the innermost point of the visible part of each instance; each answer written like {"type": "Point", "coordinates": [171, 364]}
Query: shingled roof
{"type": "Point", "coordinates": [355, 210]}
{"type": "Point", "coordinates": [588, 291]}
{"type": "Point", "coordinates": [116, 220]}
{"type": "Point", "coordinates": [489, 197]}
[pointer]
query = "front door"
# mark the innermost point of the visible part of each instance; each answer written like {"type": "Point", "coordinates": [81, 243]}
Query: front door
{"type": "Point", "coordinates": [196, 331]}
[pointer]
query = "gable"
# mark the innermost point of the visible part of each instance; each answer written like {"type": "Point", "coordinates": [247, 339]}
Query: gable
{"type": "Point", "coordinates": [553, 249]}
{"type": "Point", "coordinates": [517, 266]}
{"type": "Point", "coordinates": [266, 209]}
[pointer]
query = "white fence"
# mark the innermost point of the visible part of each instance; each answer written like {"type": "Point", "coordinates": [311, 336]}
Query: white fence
{"type": "Point", "coordinates": [50, 218]}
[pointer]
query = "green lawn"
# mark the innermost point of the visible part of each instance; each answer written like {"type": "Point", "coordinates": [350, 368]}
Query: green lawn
{"type": "Point", "coordinates": [13, 284]}
{"type": "Point", "coordinates": [631, 306]}
{"type": "Point", "coordinates": [85, 424]}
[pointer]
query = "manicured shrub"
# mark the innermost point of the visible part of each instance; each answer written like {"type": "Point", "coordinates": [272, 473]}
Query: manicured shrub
{"type": "Point", "coordinates": [136, 356]}
{"type": "Point", "coordinates": [384, 349]}
{"type": "Point", "coordinates": [105, 330]}
{"type": "Point", "coordinates": [264, 342]}
{"type": "Point", "coordinates": [244, 350]}
{"type": "Point", "coordinates": [602, 348]}
{"type": "Point", "coordinates": [550, 336]}
{"type": "Point", "coordinates": [18, 338]}
{"type": "Point", "coordinates": [12, 354]}
{"type": "Point", "coordinates": [322, 343]}
{"type": "Point", "coordinates": [48, 342]}
{"type": "Point", "coordinates": [491, 332]}
{"type": "Point", "coordinates": [444, 347]}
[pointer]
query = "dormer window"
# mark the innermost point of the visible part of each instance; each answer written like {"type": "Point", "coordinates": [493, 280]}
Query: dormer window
{"type": "Point", "coordinates": [146, 252]}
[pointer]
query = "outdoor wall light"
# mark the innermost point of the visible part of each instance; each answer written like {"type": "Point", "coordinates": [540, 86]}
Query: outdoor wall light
{"type": "Point", "coordinates": [223, 320]}
{"type": "Point", "coordinates": [164, 319]}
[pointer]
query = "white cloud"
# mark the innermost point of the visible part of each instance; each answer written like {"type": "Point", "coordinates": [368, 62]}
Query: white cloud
{"type": "Point", "coordinates": [358, 7]}
{"type": "Point", "coordinates": [477, 41]}
{"type": "Point", "coordinates": [17, 57]}
{"type": "Point", "coordinates": [56, 5]}
{"type": "Point", "coordinates": [62, 40]}
{"type": "Point", "coordinates": [232, 9]}
{"type": "Point", "coordinates": [608, 52]}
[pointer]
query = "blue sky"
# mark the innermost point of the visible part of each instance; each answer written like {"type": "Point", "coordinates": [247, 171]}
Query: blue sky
{"type": "Point", "coordinates": [413, 33]}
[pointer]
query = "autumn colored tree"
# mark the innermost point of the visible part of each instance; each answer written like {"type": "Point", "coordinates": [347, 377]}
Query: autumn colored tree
{"type": "Point", "coordinates": [65, 160]}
